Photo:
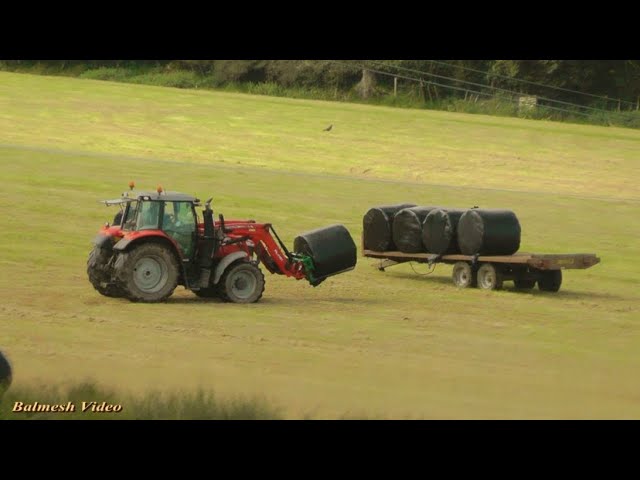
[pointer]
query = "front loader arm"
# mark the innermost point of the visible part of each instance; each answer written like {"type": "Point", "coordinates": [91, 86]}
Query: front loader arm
{"type": "Point", "coordinates": [271, 253]}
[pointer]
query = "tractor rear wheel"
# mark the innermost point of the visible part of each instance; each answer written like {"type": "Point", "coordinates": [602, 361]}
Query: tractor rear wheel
{"type": "Point", "coordinates": [99, 275]}
{"type": "Point", "coordinates": [242, 282]}
{"type": "Point", "coordinates": [148, 273]}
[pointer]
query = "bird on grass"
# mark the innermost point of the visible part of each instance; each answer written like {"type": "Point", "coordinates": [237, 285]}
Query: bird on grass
{"type": "Point", "coordinates": [328, 129]}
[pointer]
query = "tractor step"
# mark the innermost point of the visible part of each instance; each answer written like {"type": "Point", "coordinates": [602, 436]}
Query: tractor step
{"type": "Point", "coordinates": [205, 277]}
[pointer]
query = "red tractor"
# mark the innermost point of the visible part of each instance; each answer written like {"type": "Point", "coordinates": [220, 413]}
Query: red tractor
{"type": "Point", "coordinates": [157, 242]}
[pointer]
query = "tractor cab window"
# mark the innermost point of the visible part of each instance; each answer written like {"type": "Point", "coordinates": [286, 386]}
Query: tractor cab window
{"type": "Point", "coordinates": [179, 223]}
{"type": "Point", "coordinates": [130, 216]}
{"type": "Point", "coordinates": [148, 215]}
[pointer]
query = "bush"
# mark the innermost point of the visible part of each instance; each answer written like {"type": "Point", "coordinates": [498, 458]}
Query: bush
{"type": "Point", "coordinates": [109, 74]}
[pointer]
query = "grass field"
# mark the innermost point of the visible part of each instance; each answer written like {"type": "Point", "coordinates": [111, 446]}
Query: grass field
{"type": "Point", "coordinates": [366, 343]}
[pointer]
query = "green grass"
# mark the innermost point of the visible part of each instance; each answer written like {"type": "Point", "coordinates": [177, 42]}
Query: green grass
{"type": "Point", "coordinates": [407, 97]}
{"type": "Point", "coordinates": [90, 401]}
{"type": "Point", "coordinates": [428, 147]}
{"type": "Point", "coordinates": [366, 343]}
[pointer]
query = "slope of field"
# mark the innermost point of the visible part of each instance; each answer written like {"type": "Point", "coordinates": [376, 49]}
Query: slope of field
{"type": "Point", "coordinates": [393, 344]}
{"type": "Point", "coordinates": [234, 129]}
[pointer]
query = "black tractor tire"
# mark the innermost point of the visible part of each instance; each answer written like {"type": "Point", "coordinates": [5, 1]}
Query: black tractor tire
{"type": "Point", "coordinates": [241, 282]}
{"type": "Point", "coordinates": [148, 273]}
{"type": "Point", "coordinates": [464, 275]}
{"type": "Point", "coordinates": [550, 281]}
{"type": "Point", "coordinates": [522, 283]}
{"type": "Point", "coordinates": [99, 275]}
{"type": "Point", "coordinates": [490, 277]}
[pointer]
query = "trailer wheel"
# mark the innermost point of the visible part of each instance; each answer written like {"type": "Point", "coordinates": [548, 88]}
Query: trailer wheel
{"type": "Point", "coordinates": [490, 277]}
{"type": "Point", "coordinates": [463, 275]}
{"type": "Point", "coordinates": [550, 281]}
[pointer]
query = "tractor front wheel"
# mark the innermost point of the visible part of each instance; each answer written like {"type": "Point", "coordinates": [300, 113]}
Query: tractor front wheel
{"type": "Point", "coordinates": [242, 282]}
{"type": "Point", "coordinates": [148, 273]}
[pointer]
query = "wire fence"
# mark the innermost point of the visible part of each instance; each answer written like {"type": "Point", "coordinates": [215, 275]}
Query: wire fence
{"type": "Point", "coordinates": [619, 101]}
{"type": "Point", "coordinates": [428, 84]}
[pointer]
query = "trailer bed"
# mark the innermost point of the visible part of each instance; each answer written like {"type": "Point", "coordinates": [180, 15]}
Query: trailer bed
{"type": "Point", "coordinates": [535, 260]}
{"type": "Point", "coordinates": [490, 271]}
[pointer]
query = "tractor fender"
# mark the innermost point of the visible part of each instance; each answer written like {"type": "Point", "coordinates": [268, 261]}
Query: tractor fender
{"type": "Point", "coordinates": [103, 241]}
{"type": "Point", "coordinates": [225, 262]}
{"type": "Point", "coordinates": [123, 245]}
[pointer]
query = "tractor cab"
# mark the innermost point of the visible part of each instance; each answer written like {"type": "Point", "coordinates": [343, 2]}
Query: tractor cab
{"type": "Point", "coordinates": [172, 213]}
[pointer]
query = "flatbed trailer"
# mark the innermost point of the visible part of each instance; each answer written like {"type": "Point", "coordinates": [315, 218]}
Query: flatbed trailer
{"type": "Point", "coordinates": [489, 272]}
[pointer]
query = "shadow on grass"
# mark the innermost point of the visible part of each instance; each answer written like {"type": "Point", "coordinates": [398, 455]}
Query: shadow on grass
{"type": "Point", "coordinates": [508, 287]}
{"type": "Point", "coordinates": [276, 301]}
{"type": "Point", "coordinates": [87, 399]}
{"type": "Point", "coordinates": [440, 280]}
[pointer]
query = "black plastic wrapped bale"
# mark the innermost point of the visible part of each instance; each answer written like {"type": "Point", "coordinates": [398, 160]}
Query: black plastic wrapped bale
{"type": "Point", "coordinates": [5, 373]}
{"type": "Point", "coordinates": [332, 249]}
{"type": "Point", "coordinates": [407, 229]}
{"type": "Point", "coordinates": [439, 231]}
{"type": "Point", "coordinates": [489, 232]}
{"type": "Point", "coordinates": [377, 227]}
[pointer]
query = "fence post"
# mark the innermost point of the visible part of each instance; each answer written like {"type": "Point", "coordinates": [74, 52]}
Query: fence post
{"type": "Point", "coordinates": [395, 86]}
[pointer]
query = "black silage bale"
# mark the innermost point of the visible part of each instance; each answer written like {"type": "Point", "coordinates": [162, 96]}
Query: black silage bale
{"type": "Point", "coordinates": [332, 249]}
{"type": "Point", "coordinates": [407, 228]}
{"type": "Point", "coordinates": [5, 372]}
{"type": "Point", "coordinates": [440, 231]}
{"type": "Point", "coordinates": [489, 232]}
{"type": "Point", "coordinates": [377, 227]}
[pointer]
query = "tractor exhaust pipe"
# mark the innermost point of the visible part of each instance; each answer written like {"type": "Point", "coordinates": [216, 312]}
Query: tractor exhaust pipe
{"type": "Point", "coordinates": [206, 254]}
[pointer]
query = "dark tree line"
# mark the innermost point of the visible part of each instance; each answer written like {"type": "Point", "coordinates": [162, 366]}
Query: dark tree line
{"type": "Point", "coordinates": [619, 79]}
